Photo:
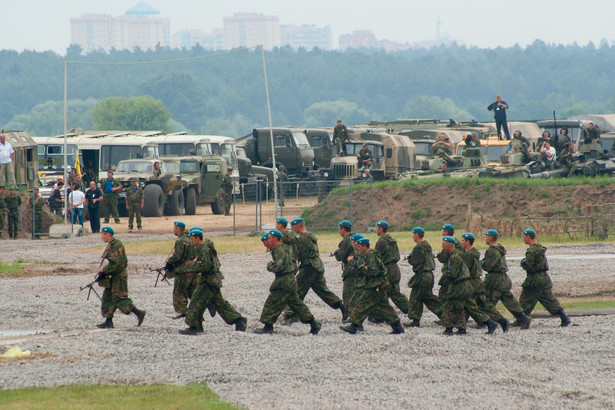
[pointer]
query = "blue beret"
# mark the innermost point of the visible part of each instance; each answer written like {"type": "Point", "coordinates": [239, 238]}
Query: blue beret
{"type": "Point", "coordinates": [363, 241]}
{"type": "Point", "coordinates": [529, 231]}
{"type": "Point", "coordinates": [108, 229]}
{"type": "Point", "coordinates": [356, 237]}
{"type": "Point", "coordinates": [196, 231]}
{"type": "Point", "coordinates": [282, 220]}
{"type": "Point", "coordinates": [265, 237]}
{"type": "Point", "coordinates": [468, 235]}
{"type": "Point", "coordinates": [296, 221]}
{"type": "Point", "coordinates": [275, 232]}
{"type": "Point", "coordinates": [345, 223]}
{"type": "Point", "coordinates": [180, 224]}
{"type": "Point", "coordinates": [418, 229]}
{"type": "Point", "coordinates": [448, 239]}
{"type": "Point", "coordinates": [382, 223]}
{"type": "Point", "coordinates": [448, 226]}
{"type": "Point", "coordinates": [492, 232]}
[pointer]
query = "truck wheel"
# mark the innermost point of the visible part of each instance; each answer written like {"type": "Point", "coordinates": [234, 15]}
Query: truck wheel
{"type": "Point", "coordinates": [190, 201]}
{"type": "Point", "coordinates": [154, 201]}
{"type": "Point", "coordinates": [217, 207]}
{"type": "Point", "coordinates": [175, 203]}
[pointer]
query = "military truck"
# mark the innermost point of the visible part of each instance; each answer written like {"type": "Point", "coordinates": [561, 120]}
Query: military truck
{"type": "Point", "coordinates": [26, 158]}
{"type": "Point", "coordinates": [320, 140]}
{"type": "Point", "coordinates": [163, 195]}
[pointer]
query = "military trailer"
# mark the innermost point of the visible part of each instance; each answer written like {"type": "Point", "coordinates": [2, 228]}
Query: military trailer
{"type": "Point", "coordinates": [26, 158]}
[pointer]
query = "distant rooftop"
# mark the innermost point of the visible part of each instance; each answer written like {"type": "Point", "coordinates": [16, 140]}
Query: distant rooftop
{"type": "Point", "coordinates": [142, 9]}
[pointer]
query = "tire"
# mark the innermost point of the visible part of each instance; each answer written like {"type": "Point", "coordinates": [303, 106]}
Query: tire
{"type": "Point", "coordinates": [190, 201]}
{"type": "Point", "coordinates": [174, 204]}
{"type": "Point", "coordinates": [217, 207]}
{"type": "Point", "coordinates": [154, 201]}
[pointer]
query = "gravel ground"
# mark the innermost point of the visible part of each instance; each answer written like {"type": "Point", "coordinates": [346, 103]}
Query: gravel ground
{"type": "Point", "coordinates": [547, 366]}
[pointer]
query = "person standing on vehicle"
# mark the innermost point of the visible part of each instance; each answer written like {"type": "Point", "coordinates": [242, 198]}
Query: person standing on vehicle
{"type": "Point", "coordinates": [93, 197]}
{"type": "Point", "coordinates": [227, 185]}
{"type": "Point", "coordinates": [134, 203]}
{"type": "Point", "coordinates": [111, 188]}
{"type": "Point", "coordinates": [340, 135]}
{"type": "Point", "coordinates": [7, 156]}
{"type": "Point", "coordinates": [499, 108]}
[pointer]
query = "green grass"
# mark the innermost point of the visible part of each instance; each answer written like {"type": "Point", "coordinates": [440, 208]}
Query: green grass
{"type": "Point", "coordinates": [13, 268]}
{"type": "Point", "coordinates": [192, 396]}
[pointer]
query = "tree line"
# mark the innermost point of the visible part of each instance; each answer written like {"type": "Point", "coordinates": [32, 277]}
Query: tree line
{"type": "Point", "coordinates": [225, 94]}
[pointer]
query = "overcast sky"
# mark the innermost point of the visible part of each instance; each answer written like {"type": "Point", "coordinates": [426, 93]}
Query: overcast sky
{"type": "Point", "coordinates": [45, 25]}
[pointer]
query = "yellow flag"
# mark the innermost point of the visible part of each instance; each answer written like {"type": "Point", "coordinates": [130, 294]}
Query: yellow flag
{"type": "Point", "coordinates": [77, 164]}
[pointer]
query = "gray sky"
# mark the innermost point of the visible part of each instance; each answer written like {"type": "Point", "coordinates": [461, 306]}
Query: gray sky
{"type": "Point", "coordinates": [45, 25]}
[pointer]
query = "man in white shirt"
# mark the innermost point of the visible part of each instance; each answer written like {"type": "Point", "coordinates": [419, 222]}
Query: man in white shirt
{"type": "Point", "coordinates": [77, 201]}
{"type": "Point", "coordinates": [7, 155]}
{"type": "Point", "coordinates": [548, 154]}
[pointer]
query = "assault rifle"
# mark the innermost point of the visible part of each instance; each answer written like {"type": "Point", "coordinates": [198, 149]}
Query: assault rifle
{"type": "Point", "coordinates": [160, 273]}
{"type": "Point", "coordinates": [91, 286]}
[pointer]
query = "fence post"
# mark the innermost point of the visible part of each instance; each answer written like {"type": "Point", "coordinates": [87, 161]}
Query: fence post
{"type": "Point", "coordinates": [350, 200]}
{"type": "Point", "coordinates": [371, 203]}
{"type": "Point", "coordinates": [256, 200]}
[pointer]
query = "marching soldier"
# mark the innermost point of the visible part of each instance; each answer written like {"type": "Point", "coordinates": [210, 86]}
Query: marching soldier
{"type": "Point", "coordinates": [13, 206]}
{"type": "Point", "coordinates": [389, 254]}
{"type": "Point", "coordinates": [457, 288]}
{"type": "Point", "coordinates": [350, 277]}
{"type": "Point", "coordinates": [288, 238]}
{"type": "Point", "coordinates": [344, 251]}
{"type": "Point", "coordinates": [179, 266]}
{"type": "Point", "coordinates": [135, 200]}
{"type": "Point", "coordinates": [37, 203]}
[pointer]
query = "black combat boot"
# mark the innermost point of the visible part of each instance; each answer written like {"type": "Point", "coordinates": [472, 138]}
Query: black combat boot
{"type": "Point", "coordinates": [504, 323]}
{"type": "Point", "coordinates": [372, 319]}
{"type": "Point", "coordinates": [491, 327]}
{"type": "Point", "coordinates": [564, 317]}
{"type": "Point", "coordinates": [340, 305]}
{"type": "Point", "coordinates": [351, 328]}
{"type": "Point", "coordinates": [199, 328]}
{"type": "Point", "coordinates": [360, 328]}
{"type": "Point", "coordinates": [265, 330]}
{"type": "Point", "coordinates": [397, 328]}
{"type": "Point", "coordinates": [181, 315]}
{"type": "Point", "coordinates": [448, 331]}
{"type": "Point", "coordinates": [461, 332]}
{"type": "Point", "coordinates": [140, 315]}
{"type": "Point", "coordinates": [107, 324]}
{"type": "Point", "coordinates": [241, 324]}
{"type": "Point", "coordinates": [191, 331]}
{"type": "Point", "coordinates": [315, 327]}
{"type": "Point", "coordinates": [524, 320]}
{"type": "Point", "coordinates": [415, 323]}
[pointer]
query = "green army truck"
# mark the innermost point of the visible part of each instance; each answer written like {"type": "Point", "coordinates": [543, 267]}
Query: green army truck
{"type": "Point", "coordinates": [26, 158]}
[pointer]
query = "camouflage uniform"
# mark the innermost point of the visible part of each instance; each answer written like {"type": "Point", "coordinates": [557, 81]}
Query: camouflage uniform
{"type": "Point", "coordinates": [389, 254]}
{"type": "Point", "coordinates": [290, 241]}
{"type": "Point", "coordinates": [478, 307]}
{"type": "Point", "coordinates": [340, 135]}
{"type": "Point", "coordinates": [37, 208]}
{"type": "Point", "coordinates": [227, 185]}
{"type": "Point", "coordinates": [565, 160]}
{"type": "Point", "coordinates": [365, 155]}
{"type": "Point", "coordinates": [282, 185]}
{"type": "Point", "coordinates": [283, 290]}
{"type": "Point", "coordinates": [134, 198]}
{"type": "Point", "coordinates": [422, 261]}
{"type": "Point", "coordinates": [343, 251]}
{"type": "Point", "coordinates": [208, 286]}
{"type": "Point", "coordinates": [350, 278]}
{"type": "Point", "coordinates": [185, 278]}
{"type": "Point", "coordinates": [458, 289]}
{"type": "Point", "coordinates": [110, 200]}
{"type": "Point", "coordinates": [115, 296]}
{"type": "Point", "coordinates": [497, 282]}
{"type": "Point", "coordinates": [372, 291]}
{"type": "Point", "coordinates": [2, 213]}
{"type": "Point", "coordinates": [13, 204]}
{"type": "Point", "coordinates": [537, 286]}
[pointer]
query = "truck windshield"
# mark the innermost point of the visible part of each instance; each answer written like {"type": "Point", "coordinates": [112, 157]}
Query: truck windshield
{"type": "Point", "coordinates": [300, 139]}
{"type": "Point", "coordinates": [227, 150]}
{"type": "Point", "coordinates": [54, 159]}
{"type": "Point", "coordinates": [137, 167]}
{"type": "Point", "coordinates": [189, 166]}
{"type": "Point", "coordinates": [423, 147]}
{"type": "Point", "coordinates": [111, 155]}
{"type": "Point", "coordinates": [172, 167]}
{"type": "Point", "coordinates": [494, 152]}
{"type": "Point", "coordinates": [203, 148]}
{"type": "Point", "coordinates": [176, 148]}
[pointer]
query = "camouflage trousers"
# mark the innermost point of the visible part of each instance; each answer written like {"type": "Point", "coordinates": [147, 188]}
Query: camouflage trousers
{"type": "Point", "coordinates": [420, 296]}
{"type": "Point", "coordinates": [309, 278]}
{"type": "Point", "coordinates": [394, 276]}
{"type": "Point", "coordinates": [532, 295]}
{"type": "Point", "coordinates": [478, 307]}
{"type": "Point", "coordinates": [116, 296]}
{"type": "Point", "coordinates": [497, 287]}
{"type": "Point", "coordinates": [376, 301]}
{"type": "Point", "coordinates": [13, 220]}
{"type": "Point", "coordinates": [228, 201]}
{"type": "Point", "coordinates": [183, 288]}
{"type": "Point", "coordinates": [453, 313]}
{"type": "Point", "coordinates": [205, 295]}
{"type": "Point", "coordinates": [280, 298]}
{"type": "Point", "coordinates": [110, 201]}
{"type": "Point", "coordinates": [350, 292]}
{"type": "Point", "coordinates": [38, 224]}
{"type": "Point", "coordinates": [134, 211]}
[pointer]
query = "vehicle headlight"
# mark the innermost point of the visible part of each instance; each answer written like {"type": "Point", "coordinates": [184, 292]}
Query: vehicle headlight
{"type": "Point", "coordinates": [325, 174]}
{"type": "Point", "coordinates": [142, 184]}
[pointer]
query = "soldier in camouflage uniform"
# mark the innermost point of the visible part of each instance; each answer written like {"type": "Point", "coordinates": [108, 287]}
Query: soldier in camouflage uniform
{"type": "Point", "coordinates": [207, 292]}
{"type": "Point", "coordinates": [37, 203]}
{"type": "Point", "coordinates": [13, 205]}
{"type": "Point", "coordinates": [288, 238]}
{"type": "Point", "coordinates": [179, 266]}
{"type": "Point", "coordinates": [283, 290]}
{"type": "Point", "coordinates": [423, 263]}
{"type": "Point", "coordinates": [537, 286]}
{"type": "Point", "coordinates": [477, 306]}
{"type": "Point", "coordinates": [350, 278]}
{"type": "Point", "coordinates": [455, 281]}
{"type": "Point", "coordinates": [111, 187]}
{"type": "Point", "coordinates": [373, 286]}
{"type": "Point", "coordinates": [2, 209]}
{"type": "Point", "coordinates": [227, 185]}
{"type": "Point", "coordinates": [344, 251]}
{"type": "Point", "coordinates": [311, 269]}
{"type": "Point", "coordinates": [497, 282]}
{"type": "Point", "coordinates": [365, 156]}
{"type": "Point", "coordinates": [135, 200]}
{"type": "Point", "coordinates": [389, 254]}
{"type": "Point", "coordinates": [282, 177]}
{"type": "Point", "coordinates": [115, 295]}
{"type": "Point", "coordinates": [340, 135]}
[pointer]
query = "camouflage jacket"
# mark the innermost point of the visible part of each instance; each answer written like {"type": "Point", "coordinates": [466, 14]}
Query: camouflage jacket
{"type": "Point", "coordinates": [134, 198]}
{"type": "Point", "coordinates": [494, 261]}
{"type": "Point", "coordinates": [387, 249]}
{"type": "Point", "coordinates": [421, 258]}
{"type": "Point", "coordinates": [340, 132]}
{"type": "Point", "coordinates": [290, 241]}
{"type": "Point", "coordinates": [116, 255]}
{"type": "Point", "coordinates": [536, 265]}
{"type": "Point", "coordinates": [37, 206]}
{"type": "Point", "coordinates": [443, 258]}
{"type": "Point", "coordinates": [227, 185]}
{"type": "Point", "coordinates": [307, 252]}
{"type": "Point", "coordinates": [115, 184]}
{"type": "Point", "coordinates": [471, 258]}
{"type": "Point", "coordinates": [2, 205]}
{"type": "Point", "coordinates": [183, 253]}
{"type": "Point", "coordinates": [455, 277]}
{"type": "Point", "coordinates": [371, 270]}
{"type": "Point", "coordinates": [350, 270]}
{"type": "Point", "coordinates": [344, 250]}
{"type": "Point", "coordinates": [284, 269]}
{"type": "Point", "coordinates": [207, 263]}
{"type": "Point", "coordinates": [365, 155]}
{"type": "Point", "coordinates": [13, 203]}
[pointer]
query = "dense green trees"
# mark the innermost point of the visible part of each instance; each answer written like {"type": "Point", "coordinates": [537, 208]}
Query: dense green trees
{"type": "Point", "coordinates": [135, 113]}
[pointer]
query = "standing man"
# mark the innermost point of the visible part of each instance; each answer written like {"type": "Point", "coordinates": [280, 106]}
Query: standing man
{"type": "Point", "coordinates": [537, 287]}
{"type": "Point", "coordinates": [499, 108]}
{"type": "Point", "coordinates": [179, 266]}
{"type": "Point", "coordinates": [111, 188]}
{"type": "Point", "coordinates": [283, 290]}
{"type": "Point", "coordinates": [37, 203]}
{"type": "Point", "coordinates": [156, 171]}
{"type": "Point", "coordinates": [282, 184]}
{"type": "Point", "coordinates": [115, 295]}
{"type": "Point", "coordinates": [207, 292]}
{"type": "Point", "coordinates": [2, 209]}
{"type": "Point", "coordinates": [366, 158]}
{"type": "Point", "coordinates": [497, 282]}
{"type": "Point", "coordinates": [350, 277]}
{"type": "Point", "coordinates": [373, 297]}
{"type": "Point", "coordinates": [340, 135]}
{"type": "Point", "coordinates": [93, 197]}
{"type": "Point", "coordinates": [77, 201]}
{"type": "Point", "coordinates": [227, 185]}
{"type": "Point", "coordinates": [7, 156]}
{"type": "Point", "coordinates": [135, 200]}
{"type": "Point", "coordinates": [56, 202]}
{"type": "Point", "coordinates": [422, 260]}
{"type": "Point", "coordinates": [389, 254]}
{"type": "Point", "coordinates": [456, 280]}
{"type": "Point", "coordinates": [13, 206]}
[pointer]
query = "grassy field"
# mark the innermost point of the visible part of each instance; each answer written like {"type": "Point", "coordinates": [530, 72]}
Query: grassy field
{"type": "Point", "coordinates": [192, 396]}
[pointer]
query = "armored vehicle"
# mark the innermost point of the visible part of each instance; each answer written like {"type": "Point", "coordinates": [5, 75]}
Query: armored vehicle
{"type": "Point", "coordinates": [26, 158]}
{"type": "Point", "coordinates": [469, 163]}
